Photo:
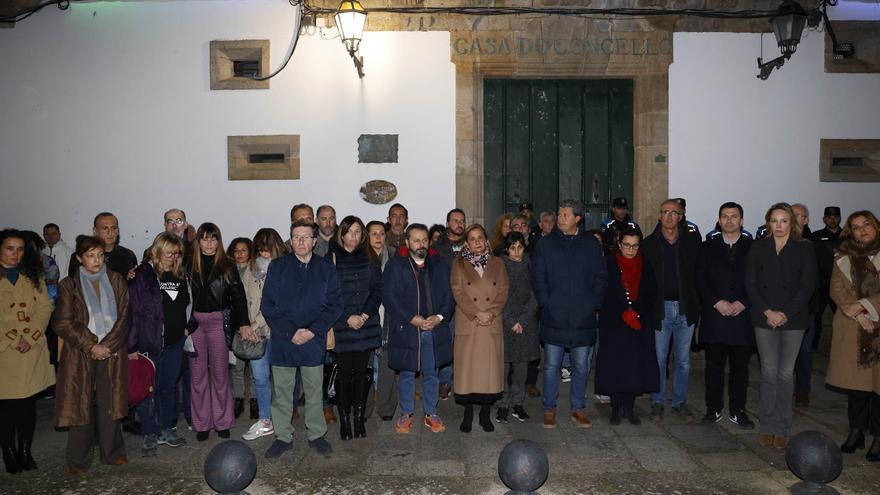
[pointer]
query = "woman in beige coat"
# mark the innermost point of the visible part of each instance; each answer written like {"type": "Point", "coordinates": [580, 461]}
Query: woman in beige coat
{"type": "Point", "coordinates": [854, 364]}
{"type": "Point", "coordinates": [24, 355]}
{"type": "Point", "coordinates": [479, 286]}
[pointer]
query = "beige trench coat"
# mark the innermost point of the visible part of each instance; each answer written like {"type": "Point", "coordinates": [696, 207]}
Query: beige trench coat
{"type": "Point", "coordinates": [24, 314]}
{"type": "Point", "coordinates": [843, 370]}
{"type": "Point", "coordinates": [478, 351]}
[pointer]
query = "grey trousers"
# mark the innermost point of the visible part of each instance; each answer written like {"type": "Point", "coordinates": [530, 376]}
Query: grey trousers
{"type": "Point", "coordinates": [515, 384]}
{"type": "Point", "coordinates": [101, 430]}
{"type": "Point", "coordinates": [778, 351]}
{"type": "Point", "coordinates": [386, 392]}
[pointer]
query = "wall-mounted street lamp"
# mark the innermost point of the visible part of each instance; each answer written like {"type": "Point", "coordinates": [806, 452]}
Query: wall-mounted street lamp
{"type": "Point", "coordinates": [788, 25]}
{"type": "Point", "coordinates": [350, 20]}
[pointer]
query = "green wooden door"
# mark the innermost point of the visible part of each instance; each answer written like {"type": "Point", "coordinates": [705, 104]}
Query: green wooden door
{"type": "Point", "coordinates": [548, 140]}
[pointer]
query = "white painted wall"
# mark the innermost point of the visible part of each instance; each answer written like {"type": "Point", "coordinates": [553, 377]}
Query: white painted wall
{"type": "Point", "coordinates": [733, 137]}
{"type": "Point", "coordinates": [107, 107]}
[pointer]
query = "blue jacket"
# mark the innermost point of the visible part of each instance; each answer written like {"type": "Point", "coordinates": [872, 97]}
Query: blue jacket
{"type": "Point", "coordinates": [569, 277]}
{"type": "Point", "coordinates": [361, 283]}
{"type": "Point", "coordinates": [400, 296]}
{"type": "Point", "coordinates": [300, 295]}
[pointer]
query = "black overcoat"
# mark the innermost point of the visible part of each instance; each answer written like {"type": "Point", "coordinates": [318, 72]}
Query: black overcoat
{"type": "Point", "coordinates": [721, 277]}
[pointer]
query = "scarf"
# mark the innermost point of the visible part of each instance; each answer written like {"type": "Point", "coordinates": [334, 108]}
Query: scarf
{"type": "Point", "coordinates": [866, 282]}
{"type": "Point", "coordinates": [630, 274]}
{"type": "Point", "coordinates": [102, 309]}
{"type": "Point", "coordinates": [478, 261]}
{"type": "Point", "coordinates": [261, 268]}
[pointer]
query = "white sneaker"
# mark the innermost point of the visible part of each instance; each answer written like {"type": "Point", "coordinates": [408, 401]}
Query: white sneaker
{"type": "Point", "coordinates": [261, 428]}
{"type": "Point", "coordinates": [566, 375]}
{"type": "Point", "coordinates": [603, 399]}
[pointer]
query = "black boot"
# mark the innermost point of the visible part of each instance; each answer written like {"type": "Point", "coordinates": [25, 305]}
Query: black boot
{"type": "Point", "coordinates": [345, 422]}
{"type": "Point", "coordinates": [10, 458]}
{"type": "Point", "coordinates": [468, 419]}
{"type": "Point", "coordinates": [360, 429]}
{"type": "Point", "coordinates": [855, 440]}
{"type": "Point", "coordinates": [485, 420]}
{"type": "Point", "coordinates": [25, 459]}
{"type": "Point", "coordinates": [873, 454]}
{"type": "Point", "coordinates": [616, 415]}
{"type": "Point", "coordinates": [632, 417]}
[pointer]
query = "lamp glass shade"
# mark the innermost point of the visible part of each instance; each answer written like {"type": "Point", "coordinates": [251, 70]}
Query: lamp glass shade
{"type": "Point", "coordinates": [350, 19]}
{"type": "Point", "coordinates": [788, 25]}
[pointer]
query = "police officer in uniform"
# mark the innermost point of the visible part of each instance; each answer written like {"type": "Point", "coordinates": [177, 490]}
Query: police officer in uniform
{"type": "Point", "coordinates": [618, 220]}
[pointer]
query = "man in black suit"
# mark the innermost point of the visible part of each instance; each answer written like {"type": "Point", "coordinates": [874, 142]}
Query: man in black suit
{"type": "Point", "coordinates": [725, 327]}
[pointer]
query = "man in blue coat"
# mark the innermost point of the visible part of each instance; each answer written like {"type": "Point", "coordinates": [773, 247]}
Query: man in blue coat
{"type": "Point", "coordinates": [301, 301]}
{"type": "Point", "coordinates": [418, 308]}
{"type": "Point", "coordinates": [569, 277]}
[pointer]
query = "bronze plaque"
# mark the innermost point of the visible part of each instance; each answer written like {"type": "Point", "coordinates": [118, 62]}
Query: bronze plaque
{"type": "Point", "coordinates": [378, 192]}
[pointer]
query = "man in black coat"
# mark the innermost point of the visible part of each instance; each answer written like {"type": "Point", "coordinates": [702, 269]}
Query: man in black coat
{"type": "Point", "coordinates": [672, 251]}
{"type": "Point", "coordinates": [725, 326]}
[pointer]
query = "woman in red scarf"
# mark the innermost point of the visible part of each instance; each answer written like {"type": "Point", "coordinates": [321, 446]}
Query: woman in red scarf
{"type": "Point", "coordinates": [626, 360]}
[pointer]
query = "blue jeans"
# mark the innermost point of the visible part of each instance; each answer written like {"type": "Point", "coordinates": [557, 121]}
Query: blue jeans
{"type": "Point", "coordinates": [804, 365]}
{"type": "Point", "coordinates": [581, 357]}
{"type": "Point", "coordinates": [674, 329]}
{"type": "Point", "coordinates": [430, 380]}
{"type": "Point", "coordinates": [260, 370]}
{"type": "Point", "coordinates": [446, 371]}
{"type": "Point", "coordinates": [158, 412]}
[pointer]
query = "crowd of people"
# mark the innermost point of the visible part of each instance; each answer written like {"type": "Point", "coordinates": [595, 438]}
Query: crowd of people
{"type": "Point", "coordinates": [342, 319]}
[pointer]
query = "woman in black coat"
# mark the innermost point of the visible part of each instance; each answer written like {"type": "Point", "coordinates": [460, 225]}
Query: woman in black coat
{"type": "Point", "coordinates": [357, 330]}
{"type": "Point", "coordinates": [626, 360]}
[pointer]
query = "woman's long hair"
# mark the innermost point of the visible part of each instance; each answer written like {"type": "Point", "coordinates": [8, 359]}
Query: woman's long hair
{"type": "Point", "coordinates": [163, 243]}
{"type": "Point", "coordinates": [848, 244]}
{"type": "Point", "coordinates": [252, 254]}
{"type": "Point", "coordinates": [31, 266]}
{"type": "Point", "coordinates": [497, 232]}
{"type": "Point", "coordinates": [267, 239]}
{"type": "Point", "coordinates": [222, 265]}
{"type": "Point", "coordinates": [796, 231]}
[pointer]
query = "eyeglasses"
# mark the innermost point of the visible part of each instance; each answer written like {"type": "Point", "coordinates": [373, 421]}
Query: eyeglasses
{"type": "Point", "coordinates": [629, 246]}
{"type": "Point", "coordinates": [175, 254]}
{"type": "Point", "coordinates": [670, 213]}
{"type": "Point", "coordinates": [301, 238]}
{"type": "Point", "coordinates": [517, 225]}
{"type": "Point", "coordinates": [174, 221]}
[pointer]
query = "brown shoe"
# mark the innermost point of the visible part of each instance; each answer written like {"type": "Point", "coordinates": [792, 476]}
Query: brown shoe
{"type": "Point", "coordinates": [444, 391]}
{"type": "Point", "coordinates": [765, 440]}
{"type": "Point", "coordinates": [780, 442]}
{"type": "Point", "coordinates": [532, 391]}
{"type": "Point", "coordinates": [238, 408]}
{"type": "Point", "coordinates": [802, 399]}
{"type": "Point", "coordinates": [329, 417]}
{"type": "Point", "coordinates": [580, 419]}
{"type": "Point", "coordinates": [119, 461]}
{"type": "Point", "coordinates": [549, 418]}
{"type": "Point", "coordinates": [255, 409]}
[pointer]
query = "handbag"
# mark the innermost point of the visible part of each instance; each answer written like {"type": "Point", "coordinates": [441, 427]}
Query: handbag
{"type": "Point", "coordinates": [245, 349]}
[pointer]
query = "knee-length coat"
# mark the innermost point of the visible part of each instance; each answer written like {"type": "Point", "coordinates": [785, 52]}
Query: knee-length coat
{"type": "Point", "coordinates": [73, 393]}
{"type": "Point", "coordinates": [24, 314]}
{"type": "Point", "coordinates": [843, 368]}
{"type": "Point", "coordinates": [626, 362]}
{"type": "Point", "coordinates": [478, 351]}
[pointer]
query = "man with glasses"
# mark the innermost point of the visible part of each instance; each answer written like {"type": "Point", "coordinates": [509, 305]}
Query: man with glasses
{"type": "Point", "coordinates": [175, 223]}
{"type": "Point", "coordinates": [301, 301]}
{"type": "Point", "coordinates": [520, 223]}
{"type": "Point", "coordinates": [672, 251]}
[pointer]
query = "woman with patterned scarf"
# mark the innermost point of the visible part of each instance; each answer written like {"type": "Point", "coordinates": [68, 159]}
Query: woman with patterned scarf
{"type": "Point", "coordinates": [92, 317]}
{"type": "Point", "coordinates": [479, 285]}
{"type": "Point", "coordinates": [854, 364]}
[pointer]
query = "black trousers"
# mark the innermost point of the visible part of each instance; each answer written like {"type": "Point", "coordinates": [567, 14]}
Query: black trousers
{"type": "Point", "coordinates": [351, 378]}
{"type": "Point", "coordinates": [863, 409]}
{"type": "Point", "coordinates": [18, 417]}
{"type": "Point", "coordinates": [717, 357]}
{"type": "Point", "coordinates": [623, 401]}
{"type": "Point", "coordinates": [532, 372]}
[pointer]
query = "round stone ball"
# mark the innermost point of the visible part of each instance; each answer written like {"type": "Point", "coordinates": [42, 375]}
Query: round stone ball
{"type": "Point", "coordinates": [230, 467]}
{"type": "Point", "coordinates": [523, 466]}
{"type": "Point", "coordinates": [813, 457]}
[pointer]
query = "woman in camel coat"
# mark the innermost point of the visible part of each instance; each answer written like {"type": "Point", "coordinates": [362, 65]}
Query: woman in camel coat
{"type": "Point", "coordinates": [479, 286]}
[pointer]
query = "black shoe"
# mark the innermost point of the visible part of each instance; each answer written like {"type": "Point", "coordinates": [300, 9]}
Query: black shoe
{"type": "Point", "coordinates": [467, 420]}
{"type": "Point", "coordinates": [10, 458]}
{"type": "Point", "coordinates": [854, 441]}
{"type": "Point", "coordinates": [742, 420]}
{"type": "Point", "coordinates": [711, 417]}
{"type": "Point", "coordinates": [387, 418]}
{"type": "Point", "coordinates": [201, 436]}
{"type": "Point", "coordinates": [277, 448]}
{"type": "Point", "coordinates": [321, 446]}
{"type": "Point", "coordinates": [360, 428]}
{"type": "Point", "coordinates": [520, 413]}
{"type": "Point", "coordinates": [873, 454]}
{"type": "Point", "coordinates": [501, 415]}
{"type": "Point", "coordinates": [344, 423]}
{"type": "Point", "coordinates": [25, 459]}
{"type": "Point", "coordinates": [485, 421]}
{"type": "Point", "coordinates": [632, 417]}
{"type": "Point", "coordinates": [238, 407]}
{"type": "Point", "coordinates": [616, 415]}
{"type": "Point", "coordinates": [132, 427]}
{"type": "Point", "coordinates": [223, 433]}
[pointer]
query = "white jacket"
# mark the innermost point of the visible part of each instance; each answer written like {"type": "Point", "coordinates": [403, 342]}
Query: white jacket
{"type": "Point", "coordinates": [61, 253]}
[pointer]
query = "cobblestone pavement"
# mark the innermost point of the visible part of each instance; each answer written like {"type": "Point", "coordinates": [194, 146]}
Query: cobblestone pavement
{"type": "Point", "coordinates": [667, 457]}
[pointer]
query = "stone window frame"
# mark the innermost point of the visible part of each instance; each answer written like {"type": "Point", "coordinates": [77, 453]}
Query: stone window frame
{"type": "Point", "coordinates": [869, 149]}
{"type": "Point", "coordinates": [222, 55]}
{"type": "Point", "coordinates": [240, 147]}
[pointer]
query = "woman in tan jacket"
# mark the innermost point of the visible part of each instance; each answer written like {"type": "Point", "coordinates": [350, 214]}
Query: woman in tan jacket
{"type": "Point", "coordinates": [92, 316]}
{"type": "Point", "coordinates": [479, 286]}
{"type": "Point", "coordinates": [854, 364]}
{"type": "Point", "coordinates": [24, 355]}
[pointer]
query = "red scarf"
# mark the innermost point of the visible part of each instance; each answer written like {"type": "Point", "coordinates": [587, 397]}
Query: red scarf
{"type": "Point", "coordinates": [630, 273]}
